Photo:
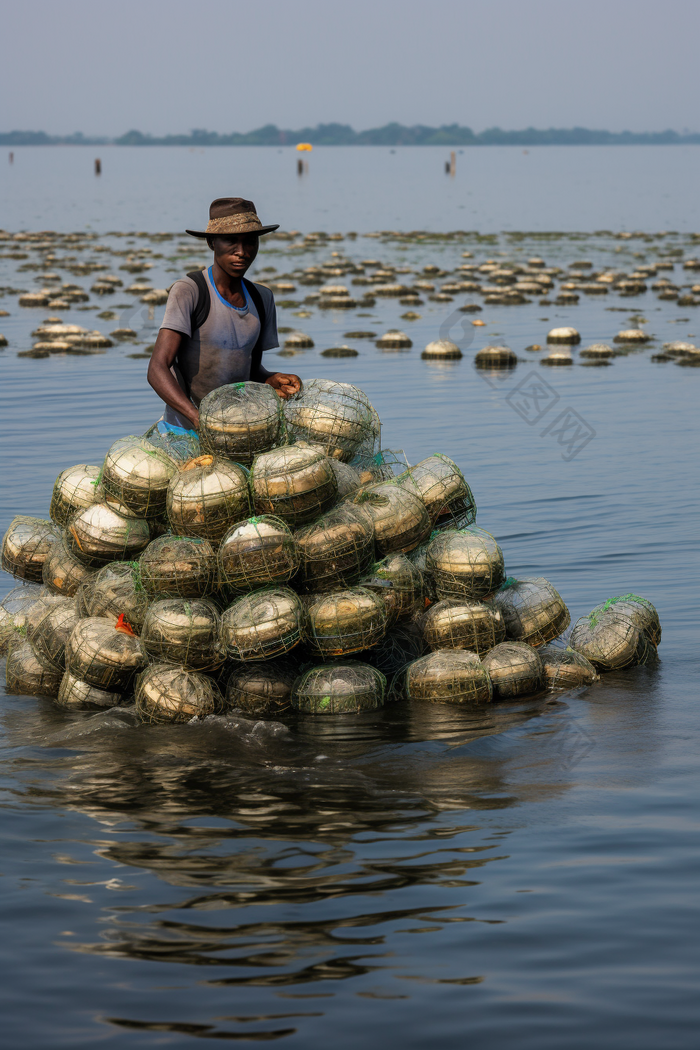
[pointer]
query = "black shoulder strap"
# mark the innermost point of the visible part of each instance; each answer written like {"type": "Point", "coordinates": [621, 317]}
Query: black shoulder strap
{"type": "Point", "coordinates": [257, 352]}
{"type": "Point", "coordinates": [201, 310]}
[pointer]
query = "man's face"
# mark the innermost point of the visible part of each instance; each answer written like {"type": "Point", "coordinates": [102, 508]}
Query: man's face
{"type": "Point", "coordinates": [236, 252]}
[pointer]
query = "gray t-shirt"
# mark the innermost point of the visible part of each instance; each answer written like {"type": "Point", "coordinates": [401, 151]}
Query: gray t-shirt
{"type": "Point", "coordinates": [220, 351]}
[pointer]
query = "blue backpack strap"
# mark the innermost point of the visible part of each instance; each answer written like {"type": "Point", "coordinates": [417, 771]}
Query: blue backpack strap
{"type": "Point", "coordinates": [201, 310]}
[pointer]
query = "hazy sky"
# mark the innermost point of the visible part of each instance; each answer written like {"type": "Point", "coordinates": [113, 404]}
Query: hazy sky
{"type": "Point", "coordinates": [172, 65]}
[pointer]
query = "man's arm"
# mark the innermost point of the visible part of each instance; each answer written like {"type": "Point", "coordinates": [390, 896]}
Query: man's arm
{"type": "Point", "coordinates": [162, 379]}
{"type": "Point", "coordinates": [284, 383]}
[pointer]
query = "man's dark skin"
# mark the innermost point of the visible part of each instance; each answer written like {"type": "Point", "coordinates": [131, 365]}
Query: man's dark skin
{"type": "Point", "coordinates": [233, 255]}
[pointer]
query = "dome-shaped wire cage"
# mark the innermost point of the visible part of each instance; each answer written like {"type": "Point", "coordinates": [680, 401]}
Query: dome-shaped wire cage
{"type": "Point", "coordinates": [62, 572]}
{"type": "Point", "coordinates": [266, 623]}
{"type": "Point", "coordinates": [347, 478]}
{"type": "Point", "coordinates": [26, 545]}
{"type": "Point", "coordinates": [336, 416]}
{"type": "Point", "coordinates": [336, 550]}
{"type": "Point", "coordinates": [207, 497]}
{"type": "Point", "coordinates": [166, 694]}
{"type": "Point", "coordinates": [114, 591]}
{"type": "Point", "coordinates": [611, 640]}
{"type": "Point", "coordinates": [454, 623]}
{"type": "Point", "coordinates": [639, 610]}
{"type": "Point", "coordinates": [350, 687]}
{"type": "Point", "coordinates": [14, 609]}
{"type": "Point", "coordinates": [241, 420]}
{"type": "Point", "coordinates": [465, 563]}
{"type": "Point", "coordinates": [442, 487]}
{"type": "Point", "coordinates": [295, 483]}
{"type": "Point", "coordinates": [400, 519]}
{"type": "Point", "coordinates": [187, 633]}
{"type": "Point", "coordinates": [51, 633]}
{"type": "Point", "coordinates": [178, 567]}
{"type": "Point", "coordinates": [565, 668]}
{"type": "Point", "coordinates": [261, 690]}
{"type": "Point", "coordinates": [74, 488]}
{"type": "Point", "coordinates": [98, 534]}
{"type": "Point", "coordinates": [258, 551]}
{"type": "Point", "coordinates": [399, 583]}
{"type": "Point", "coordinates": [76, 695]}
{"type": "Point", "coordinates": [532, 609]}
{"type": "Point", "coordinates": [446, 676]}
{"type": "Point", "coordinates": [137, 474]}
{"type": "Point", "coordinates": [347, 621]}
{"type": "Point", "coordinates": [515, 669]}
{"type": "Point", "coordinates": [102, 654]}
{"type": "Point", "coordinates": [25, 675]}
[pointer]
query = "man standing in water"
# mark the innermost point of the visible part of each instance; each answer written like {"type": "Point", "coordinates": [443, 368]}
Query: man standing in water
{"type": "Point", "coordinates": [217, 324]}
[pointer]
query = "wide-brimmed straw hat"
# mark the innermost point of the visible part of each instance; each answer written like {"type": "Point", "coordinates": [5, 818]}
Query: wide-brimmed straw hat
{"type": "Point", "coordinates": [231, 215]}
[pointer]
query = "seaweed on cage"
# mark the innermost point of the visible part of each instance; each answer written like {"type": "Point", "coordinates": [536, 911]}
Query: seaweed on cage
{"type": "Point", "coordinates": [339, 688]}
{"type": "Point", "coordinates": [399, 583]}
{"type": "Point", "coordinates": [14, 610]}
{"type": "Point", "coordinates": [611, 640]}
{"type": "Point", "coordinates": [639, 610]}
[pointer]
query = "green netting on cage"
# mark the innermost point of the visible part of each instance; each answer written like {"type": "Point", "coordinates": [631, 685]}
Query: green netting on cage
{"type": "Point", "coordinates": [26, 545]}
{"type": "Point", "coordinates": [51, 632]}
{"type": "Point", "coordinates": [178, 567]}
{"type": "Point", "coordinates": [347, 478]}
{"type": "Point", "coordinates": [256, 552]}
{"type": "Point", "coordinates": [14, 609]}
{"type": "Point", "coordinates": [446, 676]}
{"type": "Point", "coordinates": [400, 519]}
{"type": "Point", "coordinates": [401, 644]}
{"type": "Point", "coordinates": [137, 474]}
{"type": "Point", "coordinates": [465, 563]}
{"type": "Point", "coordinates": [266, 623]}
{"type": "Point", "coordinates": [336, 416]}
{"type": "Point", "coordinates": [98, 534]}
{"type": "Point", "coordinates": [207, 497]}
{"type": "Point", "coordinates": [532, 609]}
{"type": "Point", "coordinates": [565, 668]}
{"type": "Point", "coordinates": [340, 688]}
{"type": "Point", "coordinates": [184, 632]}
{"type": "Point", "coordinates": [74, 488]}
{"type": "Point", "coordinates": [241, 420]}
{"type": "Point", "coordinates": [63, 573]}
{"type": "Point", "coordinates": [261, 690]}
{"type": "Point", "coordinates": [515, 669]}
{"type": "Point", "coordinates": [295, 483]}
{"type": "Point", "coordinates": [25, 675]}
{"type": "Point", "coordinates": [383, 465]}
{"type": "Point", "coordinates": [347, 621]}
{"type": "Point", "coordinates": [175, 694]}
{"type": "Point", "coordinates": [102, 654]}
{"type": "Point", "coordinates": [336, 550]}
{"type": "Point", "coordinates": [179, 446]}
{"type": "Point", "coordinates": [115, 591]}
{"type": "Point", "coordinates": [397, 581]}
{"type": "Point", "coordinates": [637, 609]}
{"type": "Point", "coordinates": [465, 623]}
{"type": "Point", "coordinates": [76, 695]}
{"type": "Point", "coordinates": [440, 484]}
{"type": "Point", "coordinates": [611, 640]}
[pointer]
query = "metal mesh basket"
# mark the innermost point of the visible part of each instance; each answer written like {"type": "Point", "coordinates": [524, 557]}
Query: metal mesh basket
{"type": "Point", "coordinates": [175, 694]}
{"type": "Point", "coordinates": [76, 695]}
{"type": "Point", "coordinates": [179, 446]}
{"type": "Point", "coordinates": [26, 545]}
{"type": "Point", "coordinates": [266, 623]}
{"type": "Point", "coordinates": [137, 474]}
{"type": "Point", "coordinates": [565, 668]}
{"type": "Point", "coordinates": [400, 519]}
{"type": "Point", "coordinates": [533, 611]}
{"type": "Point", "coordinates": [336, 416]}
{"type": "Point", "coordinates": [257, 552]}
{"type": "Point", "coordinates": [447, 676]}
{"type": "Point", "coordinates": [465, 563]}
{"type": "Point", "coordinates": [344, 688]}
{"type": "Point", "coordinates": [51, 633]}
{"type": "Point", "coordinates": [295, 483]}
{"type": "Point", "coordinates": [462, 624]}
{"type": "Point", "coordinates": [399, 583]}
{"type": "Point", "coordinates": [347, 621]}
{"type": "Point", "coordinates": [440, 484]}
{"type": "Point", "coordinates": [241, 420]}
{"type": "Point", "coordinates": [336, 550]}
{"type": "Point", "coordinates": [14, 609]}
{"type": "Point", "coordinates": [181, 632]}
{"type": "Point", "coordinates": [401, 644]}
{"type": "Point", "coordinates": [104, 655]}
{"type": "Point", "coordinates": [62, 572]}
{"type": "Point", "coordinates": [25, 675]}
{"type": "Point", "coordinates": [115, 591]}
{"type": "Point", "coordinates": [206, 497]}
{"type": "Point", "coordinates": [74, 488]}
{"type": "Point", "coordinates": [515, 669]}
{"type": "Point", "coordinates": [346, 476]}
{"type": "Point", "coordinates": [178, 567]}
{"type": "Point", "coordinates": [261, 690]}
{"type": "Point", "coordinates": [383, 465]}
{"type": "Point", "coordinates": [638, 610]}
{"type": "Point", "coordinates": [418, 558]}
{"type": "Point", "coordinates": [98, 534]}
{"type": "Point", "coordinates": [611, 640]}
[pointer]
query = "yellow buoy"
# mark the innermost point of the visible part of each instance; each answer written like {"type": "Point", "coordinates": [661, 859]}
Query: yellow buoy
{"type": "Point", "coordinates": [304, 147]}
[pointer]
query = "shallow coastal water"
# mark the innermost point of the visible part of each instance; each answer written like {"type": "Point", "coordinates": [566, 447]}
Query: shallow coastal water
{"type": "Point", "coordinates": [521, 876]}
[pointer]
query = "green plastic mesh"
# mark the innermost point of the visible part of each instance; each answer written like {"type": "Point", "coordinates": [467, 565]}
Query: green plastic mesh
{"type": "Point", "coordinates": [62, 572]}
{"type": "Point", "coordinates": [533, 611]}
{"type": "Point", "coordinates": [447, 676]}
{"type": "Point", "coordinates": [175, 694]}
{"type": "Point", "coordinates": [256, 552]}
{"type": "Point", "coordinates": [400, 519]}
{"type": "Point", "coordinates": [347, 621]}
{"type": "Point", "coordinates": [261, 690]}
{"type": "Point", "coordinates": [184, 632]}
{"type": "Point", "coordinates": [98, 534]}
{"type": "Point", "coordinates": [241, 420]}
{"type": "Point", "coordinates": [565, 668]}
{"type": "Point", "coordinates": [178, 567]}
{"type": "Point", "coordinates": [51, 633]}
{"type": "Point", "coordinates": [207, 497]}
{"type": "Point", "coordinates": [639, 610]}
{"type": "Point", "coordinates": [266, 623]}
{"type": "Point", "coordinates": [295, 483]}
{"type": "Point", "coordinates": [100, 654]}
{"type": "Point", "coordinates": [611, 640]}
{"type": "Point", "coordinates": [115, 591]}
{"type": "Point", "coordinates": [462, 624]}
{"type": "Point", "coordinates": [515, 669]}
{"type": "Point", "coordinates": [77, 695]}
{"type": "Point", "coordinates": [465, 563]}
{"type": "Point", "coordinates": [336, 550]}
{"type": "Point", "coordinates": [14, 608]}
{"type": "Point", "coordinates": [75, 488]}
{"type": "Point", "coordinates": [336, 416]}
{"type": "Point", "coordinates": [397, 581]}
{"type": "Point", "coordinates": [383, 465]}
{"type": "Point", "coordinates": [137, 474]}
{"type": "Point", "coordinates": [180, 447]}
{"type": "Point", "coordinates": [343, 688]}
{"type": "Point", "coordinates": [26, 545]}
{"type": "Point", "coordinates": [440, 484]}
{"type": "Point", "coordinates": [25, 675]}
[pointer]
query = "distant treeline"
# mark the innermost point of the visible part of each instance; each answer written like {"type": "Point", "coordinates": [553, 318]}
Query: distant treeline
{"type": "Point", "coordinates": [389, 135]}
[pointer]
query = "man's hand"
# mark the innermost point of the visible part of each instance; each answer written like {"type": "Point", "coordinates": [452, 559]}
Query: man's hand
{"type": "Point", "coordinates": [284, 384]}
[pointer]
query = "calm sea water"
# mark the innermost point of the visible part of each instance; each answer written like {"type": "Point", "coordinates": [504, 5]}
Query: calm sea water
{"type": "Point", "coordinates": [524, 876]}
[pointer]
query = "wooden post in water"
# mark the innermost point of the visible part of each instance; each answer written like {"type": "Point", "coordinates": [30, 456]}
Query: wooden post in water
{"type": "Point", "coordinates": [447, 167]}
{"type": "Point", "coordinates": [12, 158]}
{"type": "Point", "coordinates": [98, 166]}
{"type": "Point", "coordinates": [300, 166]}
{"type": "Point", "coordinates": [453, 163]}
